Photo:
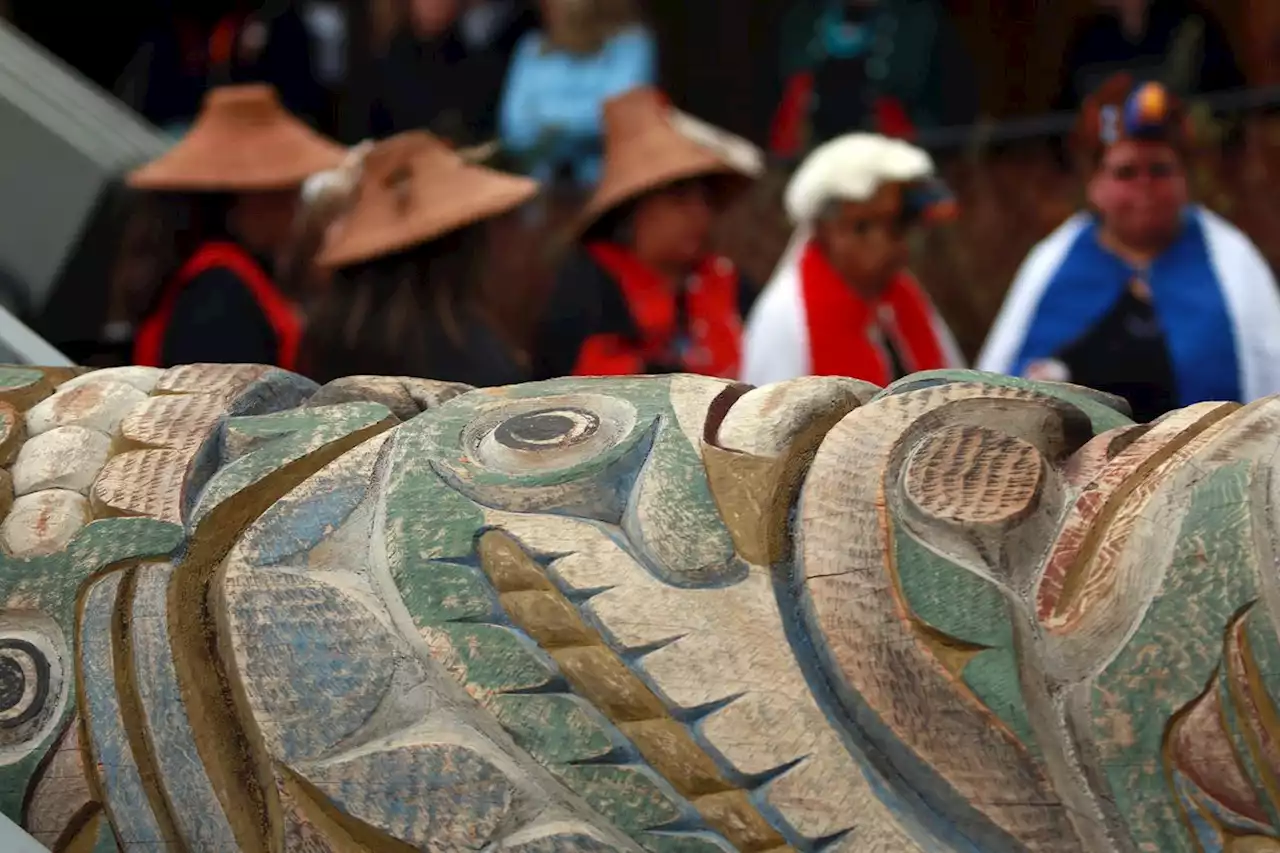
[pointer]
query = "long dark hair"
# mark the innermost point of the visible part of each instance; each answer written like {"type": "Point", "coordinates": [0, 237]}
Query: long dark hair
{"type": "Point", "coordinates": [381, 317]}
{"type": "Point", "coordinates": [176, 225]}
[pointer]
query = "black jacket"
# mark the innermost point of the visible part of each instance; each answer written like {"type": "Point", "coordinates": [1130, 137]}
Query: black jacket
{"type": "Point", "coordinates": [443, 85]}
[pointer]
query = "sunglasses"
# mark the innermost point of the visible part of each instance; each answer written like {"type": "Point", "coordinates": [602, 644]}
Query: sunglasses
{"type": "Point", "coordinates": [1132, 171]}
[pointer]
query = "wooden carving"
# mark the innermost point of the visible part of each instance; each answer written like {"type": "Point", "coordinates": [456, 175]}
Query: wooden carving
{"type": "Point", "coordinates": [242, 613]}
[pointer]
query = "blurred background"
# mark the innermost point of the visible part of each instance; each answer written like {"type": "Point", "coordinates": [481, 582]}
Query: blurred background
{"type": "Point", "coordinates": [987, 86]}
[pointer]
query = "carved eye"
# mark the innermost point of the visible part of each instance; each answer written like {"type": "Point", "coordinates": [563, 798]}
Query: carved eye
{"type": "Point", "coordinates": [549, 433]}
{"type": "Point", "coordinates": [547, 429]}
{"type": "Point", "coordinates": [24, 684]}
{"type": "Point", "coordinates": [33, 688]}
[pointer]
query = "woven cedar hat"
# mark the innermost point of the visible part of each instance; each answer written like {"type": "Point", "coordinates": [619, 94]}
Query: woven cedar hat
{"type": "Point", "coordinates": [243, 140]}
{"type": "Point", "coordinates": [413, 188]}
{"type": "Point", "coordinates": [1121, 109]}
{"type": "Point", "coordinates": [648, 144]}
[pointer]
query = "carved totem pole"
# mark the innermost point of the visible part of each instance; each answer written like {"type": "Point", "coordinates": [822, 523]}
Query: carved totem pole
{"type": "Point", "coordinates": [965, 613]}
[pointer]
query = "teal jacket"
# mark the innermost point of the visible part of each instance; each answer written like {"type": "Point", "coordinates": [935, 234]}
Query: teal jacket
{"type": "Point", "coordinates": [913, 55]}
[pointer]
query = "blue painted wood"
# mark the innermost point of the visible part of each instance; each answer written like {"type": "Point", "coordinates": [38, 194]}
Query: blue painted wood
{"type": "Point", "coordinates": [126, 798]}
{"type": "Point", "coordinates": [197, 814]}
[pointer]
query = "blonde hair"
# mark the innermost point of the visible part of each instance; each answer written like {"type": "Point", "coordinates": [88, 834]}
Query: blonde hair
{"type": "Point", "coordinates": [584, 26]}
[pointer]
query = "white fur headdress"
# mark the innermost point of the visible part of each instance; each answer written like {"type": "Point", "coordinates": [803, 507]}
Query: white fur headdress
{"type": "Point", "coordinates": [852, 168]}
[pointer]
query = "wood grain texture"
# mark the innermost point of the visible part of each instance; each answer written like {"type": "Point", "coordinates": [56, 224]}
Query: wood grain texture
{"type": "Point", "coordinates": [539, 609]}
{"type": "Point", "coordinates": [395, 718]}
{"type": "Point", "coordinates": [965, 613]}
{"type": "Point", "coordinates": [23, 387]}
{"type": "Point", "coordinates": [60, 797]}
{"type": "Point", "coordinates": [887, 672]}
{"type": "Point", "coordinates": [757, 456]}
{"type": "Point", "coordinates": [13, 432]}
{"type": "Point", "coordinates": [126, 796]}
{"type": "Point", "coordinates": [198, 818]}
{"type": "Point", "coordinates": [404, 396]}
{"type": "Point", "coordinates": [99, 406]}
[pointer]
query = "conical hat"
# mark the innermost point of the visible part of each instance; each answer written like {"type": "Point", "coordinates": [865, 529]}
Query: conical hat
{"type": "Point", "coordinates": [414, 188]}
{"type": "Point", "coordinates": [243, 140]}
{"type": "Point", "coordinates": [649, 144]}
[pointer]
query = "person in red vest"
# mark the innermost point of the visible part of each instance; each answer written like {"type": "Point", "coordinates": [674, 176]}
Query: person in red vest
{"type": "Point", "coordinates": [641, 292]}
{"type": "Point", "coordinates": [234, 180]}
{"type": "Point", "coordinates": [841, 302]}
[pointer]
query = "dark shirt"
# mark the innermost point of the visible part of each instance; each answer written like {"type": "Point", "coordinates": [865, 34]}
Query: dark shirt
{"type": "Point", "coordinates": [216, 319]}
{"type": "Point", "coordinates": [177, 71]}
{"type": "Point", "coordinates": [287, 63]}
{"type": "Point", "coordinates": [1126, 354]}
{"type": "Point", "coordinates": [1101, 48]}
{"type": "Point", "coordinates": [483, 360]}
{"type": "Point", "coordinates": [903, 51]}
{"type": "Point", "coordinates": [440, 86]}
{"type": "Point", "coordinates": [478, 357]}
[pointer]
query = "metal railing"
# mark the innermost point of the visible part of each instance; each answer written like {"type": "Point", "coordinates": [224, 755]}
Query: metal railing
{"type": "Point", "coordinates": [1059, 124]}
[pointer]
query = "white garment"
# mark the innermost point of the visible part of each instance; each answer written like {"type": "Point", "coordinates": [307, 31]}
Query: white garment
{"type": "Point", "coordinates": [775, 342]}
{"type": "Point", "coordinates": [848, 168]}
{"type": "Point", "coordinates": [1248, 286]}
{"type": "Point", "coordinates": [1004, 340]}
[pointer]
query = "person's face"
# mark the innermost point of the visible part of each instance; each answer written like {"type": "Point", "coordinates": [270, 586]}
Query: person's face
{"type": "Point", "coordinates": [673, 225]}
{"type": "Point", "coordinates": [1139, 191]}
{"type": "Point", "coordinates": [429, 18]}
{"type": "Point", "coordinates": [265, 221]}
{"type": "Point", "coordinates": [866, 241]}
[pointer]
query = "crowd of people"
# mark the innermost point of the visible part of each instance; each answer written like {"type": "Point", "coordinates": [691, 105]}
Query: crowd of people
{"type": "Point", "coordinates": [282, 246]}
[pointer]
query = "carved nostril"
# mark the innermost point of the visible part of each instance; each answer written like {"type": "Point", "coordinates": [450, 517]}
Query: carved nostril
{"type": "Point", "coordinates": [973, 475]}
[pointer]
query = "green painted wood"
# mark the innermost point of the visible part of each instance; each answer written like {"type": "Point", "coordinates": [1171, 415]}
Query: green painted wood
{"type": "Point", "coordinates": [425, 519]}
{"type": "Point", "coordinates": [18, 377]}
{"type": "Point", "coordinates": [439, 481]}
{"type": "Point", "coordinates": [631, 797]}
{"type": "Point", "coordinates": [1099, 407]}
{"type": "Point", "coordinates": [959, 604]}
{"type": "Point", "coordinates": [448, 592]}
{"type": "Point", "coordinates": [1171, 656]}
{"type": "Point", "coordinates": [49, 586]}
{"type": "Point", "coordinates": [555, 729]}
{"type": "Point", "coordinates": [497, 659]}
{"type": "Point", "coordinates": [298, 433]}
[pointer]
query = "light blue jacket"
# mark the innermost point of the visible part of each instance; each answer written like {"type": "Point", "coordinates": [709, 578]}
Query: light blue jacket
{"type": "Point", "coordinates": [552, 103]}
